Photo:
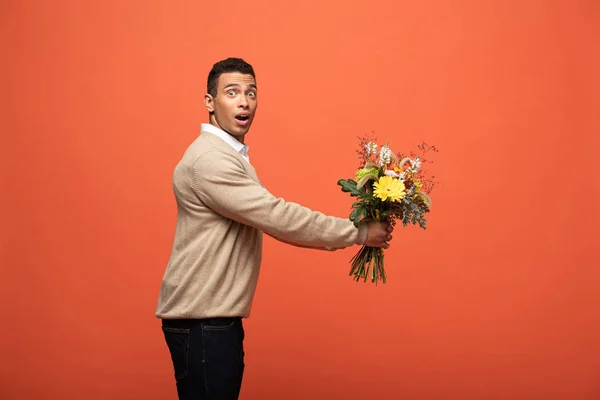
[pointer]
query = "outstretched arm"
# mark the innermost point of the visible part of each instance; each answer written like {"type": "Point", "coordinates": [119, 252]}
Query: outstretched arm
{"type": "Point", "coordinates": [324, 248]}
{"type": "Point", "coordinates": [222, 183]}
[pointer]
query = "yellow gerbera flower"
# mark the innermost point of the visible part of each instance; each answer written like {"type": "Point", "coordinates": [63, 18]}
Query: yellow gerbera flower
{"type": "Point", "coordinates": [389, 188]}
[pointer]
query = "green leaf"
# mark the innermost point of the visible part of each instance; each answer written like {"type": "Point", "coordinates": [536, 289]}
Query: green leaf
{"type": "Point", "coordinates": [365, 212]}
{"type": "Point", "coordinates": [354, 214]}
{"type": "Point", "coordinates": [349, 186]}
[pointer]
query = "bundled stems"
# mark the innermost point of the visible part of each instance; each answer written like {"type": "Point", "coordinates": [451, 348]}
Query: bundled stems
{"type": "Point", "coordinates": [368, 262]}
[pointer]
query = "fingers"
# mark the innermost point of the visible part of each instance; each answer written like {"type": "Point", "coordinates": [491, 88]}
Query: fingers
{"type": "Point", "coordinates": [383, 241]}
{"type": "Point", "coordinates": [388, 237]}
{"type": "Point", "coordinates": [380, 233]}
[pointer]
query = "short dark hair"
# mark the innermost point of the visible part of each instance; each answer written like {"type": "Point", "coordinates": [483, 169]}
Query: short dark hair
{"type": "Point", "coordinates": [224, 66]}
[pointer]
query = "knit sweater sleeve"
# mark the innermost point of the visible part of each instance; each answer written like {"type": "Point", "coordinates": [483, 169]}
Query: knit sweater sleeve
{"type": "Point", "coordinates": [222, 184]}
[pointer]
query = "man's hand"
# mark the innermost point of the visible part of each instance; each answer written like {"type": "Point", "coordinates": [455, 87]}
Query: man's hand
{"type": "Point", "coordinates": [379, 234]}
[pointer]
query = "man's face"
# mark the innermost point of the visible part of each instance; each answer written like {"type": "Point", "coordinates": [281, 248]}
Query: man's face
{"type": "Point", "coordinates": [234, 105]}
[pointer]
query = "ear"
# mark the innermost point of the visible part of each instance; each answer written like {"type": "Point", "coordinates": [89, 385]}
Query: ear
{"type": "Point", "coordinates": [209, 103]}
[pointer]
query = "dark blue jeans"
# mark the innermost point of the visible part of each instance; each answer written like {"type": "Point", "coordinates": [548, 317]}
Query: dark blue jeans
{"type": "Point", "coordinates": [208, 357]}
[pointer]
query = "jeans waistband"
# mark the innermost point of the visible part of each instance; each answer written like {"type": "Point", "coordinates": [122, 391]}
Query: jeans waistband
{"type": "Point", "coordinates": [191, 322]}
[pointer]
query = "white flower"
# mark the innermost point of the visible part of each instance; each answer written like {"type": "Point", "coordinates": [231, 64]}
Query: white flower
{"type": "Point", "coordinates": [391, 173]}
{"type": "Point", "coordinates": [371, 148]}
{"type": "Point", "coordinates": [402, 176]}
{"type": "Point", "coordinates": [384, 156]}
{"type": "Point", "coordinates": [416, 165]}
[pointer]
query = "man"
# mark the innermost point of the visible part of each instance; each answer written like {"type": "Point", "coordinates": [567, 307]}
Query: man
{"type": "Point", "coordinates": [223, 209]}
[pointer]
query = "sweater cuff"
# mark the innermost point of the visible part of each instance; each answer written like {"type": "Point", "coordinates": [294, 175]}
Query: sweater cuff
{"type": "Point", "coordinates": [363, 231]}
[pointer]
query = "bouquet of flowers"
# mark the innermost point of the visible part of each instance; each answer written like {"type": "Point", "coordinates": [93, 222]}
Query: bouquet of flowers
{"type": "Point", "coordinates": [387, 187]}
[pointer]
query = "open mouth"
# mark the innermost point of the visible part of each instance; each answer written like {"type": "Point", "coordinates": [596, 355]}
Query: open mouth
{"type": "Point", "coordinates": [242, 117]}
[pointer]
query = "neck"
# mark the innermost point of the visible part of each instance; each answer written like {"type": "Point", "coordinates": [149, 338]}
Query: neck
{"type": "Point", "coordinates": [213, 121]}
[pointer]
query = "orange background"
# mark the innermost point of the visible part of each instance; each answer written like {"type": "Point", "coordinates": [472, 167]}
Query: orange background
{"type": "Point", "coordinates": [498, 299]}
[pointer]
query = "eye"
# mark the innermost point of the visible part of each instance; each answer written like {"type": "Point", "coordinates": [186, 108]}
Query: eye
{"type": "Point", "coordinates": [231, 93]}
{"type": "Point", "coordinates": [252, 94]}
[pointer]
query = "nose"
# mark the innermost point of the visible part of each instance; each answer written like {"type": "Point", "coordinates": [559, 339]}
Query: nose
{"type": "Point", "coordinates": [244, 101]}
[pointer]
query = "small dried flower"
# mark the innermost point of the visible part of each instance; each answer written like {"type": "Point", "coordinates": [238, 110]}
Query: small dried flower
{"type": "Point", "coordinates": [384, 156]}
{"type": "Point", "coordinates": [416, 165]}
{"type": "Point", "coordinates": [371, 148]}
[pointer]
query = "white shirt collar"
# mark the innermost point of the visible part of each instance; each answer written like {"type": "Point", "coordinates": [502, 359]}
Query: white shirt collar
{"type": "Point", "coordinates": [237, 146]}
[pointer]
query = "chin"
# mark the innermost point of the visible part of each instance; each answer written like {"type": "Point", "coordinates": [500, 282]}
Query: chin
{"type": "Point", "coordinates": [242, 132]}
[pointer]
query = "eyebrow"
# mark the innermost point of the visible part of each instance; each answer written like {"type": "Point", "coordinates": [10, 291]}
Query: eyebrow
{"type": "Point", "coordinates": [252, 85]}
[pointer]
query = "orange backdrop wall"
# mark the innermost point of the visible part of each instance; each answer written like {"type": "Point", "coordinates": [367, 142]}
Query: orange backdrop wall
{"type": "Point", "coordinates": [498, 299]}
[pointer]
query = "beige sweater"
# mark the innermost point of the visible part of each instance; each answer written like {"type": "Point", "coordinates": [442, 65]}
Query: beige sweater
{"type": "Point", "coordinates": [222, 212]}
